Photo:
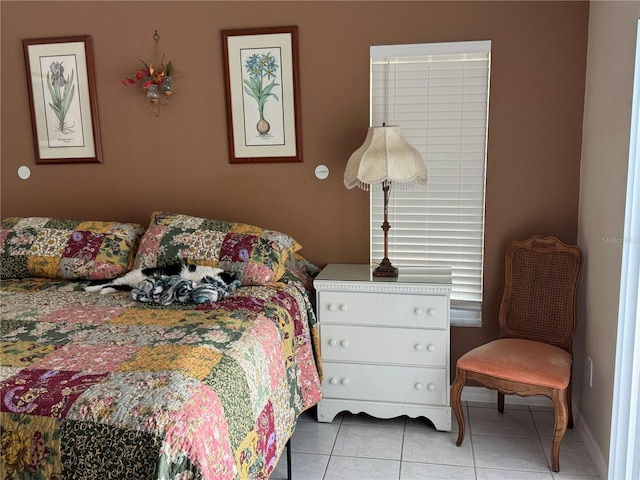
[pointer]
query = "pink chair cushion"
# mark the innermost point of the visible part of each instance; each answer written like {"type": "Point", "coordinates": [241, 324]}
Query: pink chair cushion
{"type": "Point", "coordinates": [519, 360]}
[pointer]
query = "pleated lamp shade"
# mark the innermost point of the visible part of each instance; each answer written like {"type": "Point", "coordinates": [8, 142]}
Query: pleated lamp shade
{"type": "Point", "coordinates": [385, 157]}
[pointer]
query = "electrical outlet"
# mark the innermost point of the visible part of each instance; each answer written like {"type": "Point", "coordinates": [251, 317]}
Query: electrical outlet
{"type": "Point", "coordinates": [590, 371]}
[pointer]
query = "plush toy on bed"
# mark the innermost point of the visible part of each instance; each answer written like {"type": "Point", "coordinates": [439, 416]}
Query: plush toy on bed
{"type": "Point", "coordinates": [176, 282]}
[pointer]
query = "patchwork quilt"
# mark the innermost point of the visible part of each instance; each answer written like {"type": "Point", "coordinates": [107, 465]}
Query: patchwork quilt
{"type": "Point", "coordinates": [102, 386]}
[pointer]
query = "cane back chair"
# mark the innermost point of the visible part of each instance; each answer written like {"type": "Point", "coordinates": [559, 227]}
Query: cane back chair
{"type": "Point", "coordinates": [533, 353]}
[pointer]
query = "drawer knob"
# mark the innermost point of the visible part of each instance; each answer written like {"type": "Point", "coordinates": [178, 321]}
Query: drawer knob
{"type": "Point", "coordinates": [331, 307]}
{"type": "Point", "coordinates": [419, 346]}
{"type": "Point", "coordinates": [332, 342]}
{"type": "Point", "coordinates": [344, 343]}
{"type": "Point", "coordinates": [419, 311]}
{"type": "Point", "coordinates": [431, 347]}
{"type": "Point", "coordinates": [431, 312]}
{"type": "Point", "coordinates": [344, 308]}
{"type": "Point", "coordinates": [344, 381]}
{"type": "Point", "coordinates": [432, 386]}
{"type": "Point", "coordinates": [419, 386]}
{"type": "Point", "coordinates": [333, 381]}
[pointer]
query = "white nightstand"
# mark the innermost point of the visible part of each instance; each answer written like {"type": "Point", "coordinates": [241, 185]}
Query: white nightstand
{"type": "Point", "coordinates": [385, 342]}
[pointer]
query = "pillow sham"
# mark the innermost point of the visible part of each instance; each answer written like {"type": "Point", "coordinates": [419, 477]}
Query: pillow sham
{"type": "Point", "coordinates": [69, 249]}
{"type": "Point", "coordinates": [257, 256]}
{"type": "Point", "coordinates": [301, 270]}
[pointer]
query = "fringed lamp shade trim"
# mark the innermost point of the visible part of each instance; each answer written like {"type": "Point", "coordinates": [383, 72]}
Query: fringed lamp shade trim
{"type": "Point", "coordinates": [385, 157]}
{"type": "Point", "coordinates": [376, 187]}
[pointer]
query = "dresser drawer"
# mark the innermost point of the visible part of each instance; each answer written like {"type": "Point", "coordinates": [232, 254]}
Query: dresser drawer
{"type": "Point", "coordinates": [384, 345]}
{"type": "Point", "coordinates": [424, 311]}
{"type": "Point", "coordinates": [385, 383]}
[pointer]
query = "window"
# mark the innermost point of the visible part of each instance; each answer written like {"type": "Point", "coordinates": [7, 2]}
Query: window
{"type": "Point", "coordinates": [439, 95]}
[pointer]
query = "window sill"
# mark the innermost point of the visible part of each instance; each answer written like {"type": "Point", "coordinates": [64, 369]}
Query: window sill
{"type": "Point", "coordinates": [465, 318]}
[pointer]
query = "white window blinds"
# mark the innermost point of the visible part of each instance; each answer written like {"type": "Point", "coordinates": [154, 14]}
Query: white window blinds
{"type": "Point", "coordinates": [439, 95]}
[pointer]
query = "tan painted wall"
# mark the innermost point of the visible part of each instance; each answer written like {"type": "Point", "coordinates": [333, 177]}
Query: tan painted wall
{"type": "Point", "coordinates": [605, 160]}
{"type": "Point", "coordinates": [179, 162]}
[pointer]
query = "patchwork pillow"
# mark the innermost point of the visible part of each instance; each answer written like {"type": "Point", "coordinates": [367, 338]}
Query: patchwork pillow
{"type": "Point", "coordinates": [301, 270]}
{"type": "Point", "coordinates": [256, 255]}
{"type": "Point", "coordinates": [70, 249]}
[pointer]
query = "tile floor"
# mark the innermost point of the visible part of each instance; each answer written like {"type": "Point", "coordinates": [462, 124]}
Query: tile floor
{"type": "Point", "coordinates": [513, 445]}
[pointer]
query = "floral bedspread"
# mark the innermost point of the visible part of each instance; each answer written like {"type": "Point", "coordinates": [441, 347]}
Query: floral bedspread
{"type": "Point", "coordinates": [100, 386]}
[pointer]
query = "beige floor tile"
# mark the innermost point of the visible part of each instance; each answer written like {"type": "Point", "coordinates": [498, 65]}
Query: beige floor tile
{"type": "Point", "coordinates": [509, 446]}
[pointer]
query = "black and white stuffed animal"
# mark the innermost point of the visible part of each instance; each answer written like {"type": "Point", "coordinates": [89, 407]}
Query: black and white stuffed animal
{"type": "Point", "coordinates": [127, 282]}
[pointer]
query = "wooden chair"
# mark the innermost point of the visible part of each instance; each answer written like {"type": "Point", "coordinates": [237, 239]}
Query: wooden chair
{"type": "Point", "coordinates": [537, 317]}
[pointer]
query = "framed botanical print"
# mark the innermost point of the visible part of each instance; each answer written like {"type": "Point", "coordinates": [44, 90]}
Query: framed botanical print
{"type": "Point", "coordinates": [263, 94]}
{"type": "Point", "coordinates": [62, 97]}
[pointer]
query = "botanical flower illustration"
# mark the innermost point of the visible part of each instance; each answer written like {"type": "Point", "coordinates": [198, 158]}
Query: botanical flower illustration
{"type": "Point", "coordinates": [260, 67]}
{"type": "Point", "coordinates": [61, 90]}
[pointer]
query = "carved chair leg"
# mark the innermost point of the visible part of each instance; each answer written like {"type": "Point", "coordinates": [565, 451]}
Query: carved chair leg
{"type": "Point", "coordinates": [562, 416]}
{"type": "Point", "coordinates": [500, 402]}
{"type": "Point", "coordinates": [456, 394]}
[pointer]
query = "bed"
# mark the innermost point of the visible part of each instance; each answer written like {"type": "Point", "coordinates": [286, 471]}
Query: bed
{"type": "Point", "coordinates": [103, 386]}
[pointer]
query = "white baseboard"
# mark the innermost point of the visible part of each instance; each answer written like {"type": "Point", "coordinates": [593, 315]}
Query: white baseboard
{"type": "Point", "coordinates": [484, 395]}
{"type": "Point", "coordinates": [590, 444]}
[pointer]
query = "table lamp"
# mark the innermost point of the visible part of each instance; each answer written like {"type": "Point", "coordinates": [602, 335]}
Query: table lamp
{"type": "Point", "coordinates": [385, 159]}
